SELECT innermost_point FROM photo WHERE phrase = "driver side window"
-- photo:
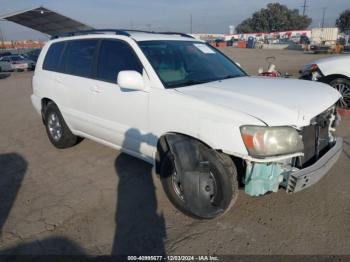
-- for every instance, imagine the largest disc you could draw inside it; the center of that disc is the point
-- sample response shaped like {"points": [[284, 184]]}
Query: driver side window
{"points": [[116, 56]]}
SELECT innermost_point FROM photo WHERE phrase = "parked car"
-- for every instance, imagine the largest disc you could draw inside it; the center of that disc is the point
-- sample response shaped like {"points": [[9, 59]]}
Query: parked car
{"points": [[32, 55], [183, 106], [334, 71], [5, 66], [19, 62], [5, 54]]}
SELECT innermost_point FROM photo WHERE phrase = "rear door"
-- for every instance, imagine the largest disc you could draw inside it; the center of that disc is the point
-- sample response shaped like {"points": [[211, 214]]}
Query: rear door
{"points": [[76, 67]]}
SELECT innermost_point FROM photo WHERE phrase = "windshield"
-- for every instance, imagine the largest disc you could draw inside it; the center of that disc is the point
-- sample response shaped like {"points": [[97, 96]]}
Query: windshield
{"points": [[184, 63]]}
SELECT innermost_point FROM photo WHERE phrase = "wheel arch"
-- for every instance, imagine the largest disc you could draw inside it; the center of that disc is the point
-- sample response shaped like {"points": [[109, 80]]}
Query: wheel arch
{"points": [[44, 103], [163, 146], [329, 78]]}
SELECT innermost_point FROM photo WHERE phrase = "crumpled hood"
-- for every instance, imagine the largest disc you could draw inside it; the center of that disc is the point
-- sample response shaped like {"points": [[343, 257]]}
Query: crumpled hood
{"points": [[275, 101]]}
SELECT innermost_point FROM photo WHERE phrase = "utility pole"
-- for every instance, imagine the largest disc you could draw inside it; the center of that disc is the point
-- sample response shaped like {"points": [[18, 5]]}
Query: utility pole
{"points": [[2, 37], [304, 6], [323, 16], [191, 23]]}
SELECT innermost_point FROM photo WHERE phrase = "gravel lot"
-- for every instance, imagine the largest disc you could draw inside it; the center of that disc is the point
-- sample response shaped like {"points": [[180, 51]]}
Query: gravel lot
{"points": [[93, 200]]}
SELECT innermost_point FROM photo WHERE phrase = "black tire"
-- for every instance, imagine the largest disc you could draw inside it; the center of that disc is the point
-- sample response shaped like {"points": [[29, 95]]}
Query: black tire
{"points": [[64, 138], [225, 174], [343, 86]]}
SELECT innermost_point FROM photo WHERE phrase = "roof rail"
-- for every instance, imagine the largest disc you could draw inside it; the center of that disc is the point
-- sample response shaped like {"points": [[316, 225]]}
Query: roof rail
{"points": [[175, 33], [93, 31], [117, 32]]}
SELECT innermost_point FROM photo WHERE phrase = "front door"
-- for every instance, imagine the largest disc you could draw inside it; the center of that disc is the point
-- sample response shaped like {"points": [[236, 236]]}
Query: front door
{"points": [[120, 116]]}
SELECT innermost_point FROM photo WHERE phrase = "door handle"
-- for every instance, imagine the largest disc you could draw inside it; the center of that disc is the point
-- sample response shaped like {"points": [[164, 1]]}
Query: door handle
{"points": [[95, 90], [58, 80]]}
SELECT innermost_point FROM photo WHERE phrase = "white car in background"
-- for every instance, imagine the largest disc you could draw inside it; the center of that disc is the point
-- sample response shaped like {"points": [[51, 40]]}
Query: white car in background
{"points": [[334, 71], [5, 66], [19, 62], [183, 106]]}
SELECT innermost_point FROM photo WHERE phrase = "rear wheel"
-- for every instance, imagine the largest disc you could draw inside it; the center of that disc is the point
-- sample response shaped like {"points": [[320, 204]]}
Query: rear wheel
{"points": [[57, 130], [343, 86], [215, 190]]}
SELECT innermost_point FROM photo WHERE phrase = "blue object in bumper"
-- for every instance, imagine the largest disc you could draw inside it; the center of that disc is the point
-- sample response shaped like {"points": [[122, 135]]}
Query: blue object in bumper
{"points": [[262, 178]]}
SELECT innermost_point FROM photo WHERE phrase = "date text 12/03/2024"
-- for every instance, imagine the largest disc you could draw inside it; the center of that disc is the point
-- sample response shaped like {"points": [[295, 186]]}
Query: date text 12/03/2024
{"points": [[173, 258]]}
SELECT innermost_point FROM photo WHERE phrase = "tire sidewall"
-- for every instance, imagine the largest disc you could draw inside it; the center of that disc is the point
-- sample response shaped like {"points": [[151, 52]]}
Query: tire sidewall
{"points": [[339, 81], [225, 173]]}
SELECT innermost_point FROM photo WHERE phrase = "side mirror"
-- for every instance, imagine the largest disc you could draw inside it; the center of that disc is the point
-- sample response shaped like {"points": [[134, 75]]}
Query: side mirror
{"points": [[131, 80]]}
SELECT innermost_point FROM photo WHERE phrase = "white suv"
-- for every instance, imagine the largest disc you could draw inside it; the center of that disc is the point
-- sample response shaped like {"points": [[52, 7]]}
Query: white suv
{"points": [[183, 106]]}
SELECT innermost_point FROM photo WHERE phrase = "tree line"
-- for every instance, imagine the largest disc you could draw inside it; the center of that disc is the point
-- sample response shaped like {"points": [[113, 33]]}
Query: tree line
{"points": [[277, 17]]}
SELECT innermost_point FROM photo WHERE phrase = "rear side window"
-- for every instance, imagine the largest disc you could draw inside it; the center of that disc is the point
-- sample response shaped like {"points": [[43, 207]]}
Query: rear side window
{"points": [[116, 56], [53, 56], [78, 57]]}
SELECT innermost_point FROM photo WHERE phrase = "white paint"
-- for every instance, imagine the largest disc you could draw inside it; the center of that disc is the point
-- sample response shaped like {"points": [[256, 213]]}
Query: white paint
{"points": [[212, 112]]}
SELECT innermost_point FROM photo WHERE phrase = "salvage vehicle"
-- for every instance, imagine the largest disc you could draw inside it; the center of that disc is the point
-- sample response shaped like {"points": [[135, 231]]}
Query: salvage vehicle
{"points": [[334, 71], [183, 106]]}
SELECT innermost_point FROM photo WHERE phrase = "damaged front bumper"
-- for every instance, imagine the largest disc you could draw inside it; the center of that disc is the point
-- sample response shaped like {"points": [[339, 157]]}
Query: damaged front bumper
{"points": [[306, 177], [263, 177]]}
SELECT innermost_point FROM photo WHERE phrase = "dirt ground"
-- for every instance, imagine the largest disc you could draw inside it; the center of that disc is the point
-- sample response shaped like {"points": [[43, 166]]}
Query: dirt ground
{"points": [[91, 199], [287, 61]]}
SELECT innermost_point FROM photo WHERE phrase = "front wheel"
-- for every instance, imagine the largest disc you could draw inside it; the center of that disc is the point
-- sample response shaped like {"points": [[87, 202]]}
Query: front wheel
{"points": [[206, 195], [343, 86]]}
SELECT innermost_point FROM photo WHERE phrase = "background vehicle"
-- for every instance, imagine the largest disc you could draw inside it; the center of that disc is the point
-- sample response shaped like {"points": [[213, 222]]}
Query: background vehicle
{"points": [[32, 55], [19, 62], [186, 108], [334, 71], [5, 66]]}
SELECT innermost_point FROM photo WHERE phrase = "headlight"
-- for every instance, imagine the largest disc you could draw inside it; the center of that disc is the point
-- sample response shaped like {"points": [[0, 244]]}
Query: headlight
{"points": [[263, 141]]}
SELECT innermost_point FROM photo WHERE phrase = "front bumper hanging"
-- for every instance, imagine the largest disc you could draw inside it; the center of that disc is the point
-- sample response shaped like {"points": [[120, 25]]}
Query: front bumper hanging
{"points": [[306, 177]]}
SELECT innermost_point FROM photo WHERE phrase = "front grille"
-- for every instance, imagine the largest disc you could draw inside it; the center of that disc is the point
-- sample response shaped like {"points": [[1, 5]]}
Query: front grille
{"points": [[316, 143], [316, 139]]}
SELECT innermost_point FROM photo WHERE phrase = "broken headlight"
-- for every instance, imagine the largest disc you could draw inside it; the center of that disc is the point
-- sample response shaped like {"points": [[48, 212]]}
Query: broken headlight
{"points": [[263, 141]]}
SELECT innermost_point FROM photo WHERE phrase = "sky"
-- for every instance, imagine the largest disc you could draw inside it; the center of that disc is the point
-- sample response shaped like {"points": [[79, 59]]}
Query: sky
{"points": [[208, 16]]}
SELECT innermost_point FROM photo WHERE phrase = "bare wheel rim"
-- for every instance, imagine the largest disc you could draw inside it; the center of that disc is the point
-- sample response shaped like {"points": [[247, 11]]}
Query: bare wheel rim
{"points": [[344, 90], [54, 126], [175, 181]]}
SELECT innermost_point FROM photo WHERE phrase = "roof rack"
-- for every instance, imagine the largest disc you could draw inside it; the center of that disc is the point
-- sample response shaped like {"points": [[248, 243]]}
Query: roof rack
{"points": [[117, 32], [176, 33], [93, 31]]}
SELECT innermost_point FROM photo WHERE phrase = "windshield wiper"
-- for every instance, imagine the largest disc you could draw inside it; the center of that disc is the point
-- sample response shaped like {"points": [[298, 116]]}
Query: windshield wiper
{"points": [[228, 77], [189, 83]]}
